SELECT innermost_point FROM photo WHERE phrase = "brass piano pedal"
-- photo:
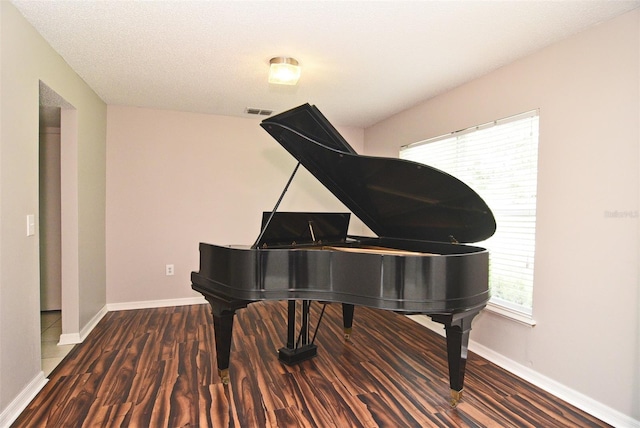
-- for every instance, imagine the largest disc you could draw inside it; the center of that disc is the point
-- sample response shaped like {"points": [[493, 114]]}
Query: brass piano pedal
{"points": [[455, 397], [224, 376], [347, 333]]}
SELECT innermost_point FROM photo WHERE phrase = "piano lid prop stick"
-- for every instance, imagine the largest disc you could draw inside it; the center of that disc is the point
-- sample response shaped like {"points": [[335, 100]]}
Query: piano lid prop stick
{"points": [[273, 212]]}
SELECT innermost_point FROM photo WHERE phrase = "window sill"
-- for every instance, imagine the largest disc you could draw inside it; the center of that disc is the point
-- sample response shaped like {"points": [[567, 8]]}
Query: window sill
{"points": [[511, 314]]}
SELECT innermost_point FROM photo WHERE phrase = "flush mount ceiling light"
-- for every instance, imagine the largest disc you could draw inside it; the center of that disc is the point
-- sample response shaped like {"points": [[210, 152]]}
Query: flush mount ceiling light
{"points": [[284, 71]]}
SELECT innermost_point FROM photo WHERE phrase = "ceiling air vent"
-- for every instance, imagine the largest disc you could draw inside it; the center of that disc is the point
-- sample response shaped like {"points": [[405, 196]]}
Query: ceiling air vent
{"points": [[258, 111]]}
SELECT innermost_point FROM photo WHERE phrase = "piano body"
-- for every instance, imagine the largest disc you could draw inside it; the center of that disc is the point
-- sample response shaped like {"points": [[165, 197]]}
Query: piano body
{"points": [[417, 264]]}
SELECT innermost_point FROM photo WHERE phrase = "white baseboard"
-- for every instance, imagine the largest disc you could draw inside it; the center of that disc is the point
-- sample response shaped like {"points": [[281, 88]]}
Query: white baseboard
{"points": [[69, 339], [13, 410], [92, 323], [145, 304], [75, 338], [575, 398]]}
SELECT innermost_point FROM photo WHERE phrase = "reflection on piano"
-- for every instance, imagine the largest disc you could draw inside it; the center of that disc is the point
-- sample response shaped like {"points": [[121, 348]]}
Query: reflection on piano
{"points": [[417, 264]]}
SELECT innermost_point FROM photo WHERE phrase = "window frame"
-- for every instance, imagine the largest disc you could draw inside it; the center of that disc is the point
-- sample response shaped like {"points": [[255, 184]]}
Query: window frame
{"points": [[497, 305]]}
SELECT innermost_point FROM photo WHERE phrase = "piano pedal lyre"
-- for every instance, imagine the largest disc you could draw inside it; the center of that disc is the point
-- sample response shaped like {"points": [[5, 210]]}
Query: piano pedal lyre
{"points": [[300, 348]]}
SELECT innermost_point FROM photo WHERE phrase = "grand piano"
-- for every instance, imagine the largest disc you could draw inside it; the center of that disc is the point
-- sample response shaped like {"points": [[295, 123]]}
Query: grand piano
{"points": [[417, 264]]}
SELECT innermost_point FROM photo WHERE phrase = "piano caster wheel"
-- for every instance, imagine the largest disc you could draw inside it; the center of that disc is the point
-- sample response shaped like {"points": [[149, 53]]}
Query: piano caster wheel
{"points": [[224, 376], [347, 333], [455, 397]]}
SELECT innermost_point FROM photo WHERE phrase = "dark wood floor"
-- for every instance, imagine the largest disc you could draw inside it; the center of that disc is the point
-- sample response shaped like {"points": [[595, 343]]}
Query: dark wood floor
{"points": [[155, 368]]}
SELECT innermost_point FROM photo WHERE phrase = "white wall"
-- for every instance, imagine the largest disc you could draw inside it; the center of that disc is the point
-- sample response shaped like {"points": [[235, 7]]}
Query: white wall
{"points": [[175, 179], [586, 272], [25, 59]]}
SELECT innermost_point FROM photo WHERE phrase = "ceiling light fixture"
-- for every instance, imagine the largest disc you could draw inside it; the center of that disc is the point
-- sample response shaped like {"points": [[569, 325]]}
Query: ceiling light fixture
{"points": [[284, 71]]}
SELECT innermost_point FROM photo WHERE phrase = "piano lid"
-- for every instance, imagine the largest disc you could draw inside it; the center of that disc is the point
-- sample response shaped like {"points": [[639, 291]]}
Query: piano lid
{"points": [[395, 198]]}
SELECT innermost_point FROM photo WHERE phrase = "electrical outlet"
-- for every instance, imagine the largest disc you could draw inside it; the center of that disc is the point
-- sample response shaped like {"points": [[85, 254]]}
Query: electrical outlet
{"points": [[169, 270]]}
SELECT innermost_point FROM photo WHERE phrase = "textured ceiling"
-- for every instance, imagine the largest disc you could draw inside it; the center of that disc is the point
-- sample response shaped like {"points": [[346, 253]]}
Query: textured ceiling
{"points": [[361, 61]]}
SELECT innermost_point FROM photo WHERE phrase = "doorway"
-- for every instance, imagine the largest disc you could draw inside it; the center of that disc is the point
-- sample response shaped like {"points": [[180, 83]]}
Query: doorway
{"points": [[55, 308]]}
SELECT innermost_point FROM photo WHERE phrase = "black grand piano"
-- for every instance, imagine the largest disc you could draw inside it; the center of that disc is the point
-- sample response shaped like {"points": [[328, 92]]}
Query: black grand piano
{"points": [[417, 264]]}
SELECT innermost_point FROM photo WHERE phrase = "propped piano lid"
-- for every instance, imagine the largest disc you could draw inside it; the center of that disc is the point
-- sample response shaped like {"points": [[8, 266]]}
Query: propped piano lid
{"points": [[395, 198]]}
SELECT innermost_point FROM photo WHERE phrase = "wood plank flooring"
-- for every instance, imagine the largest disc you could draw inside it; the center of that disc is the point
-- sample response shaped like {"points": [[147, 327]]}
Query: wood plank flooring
{"points": [[156, 368]]}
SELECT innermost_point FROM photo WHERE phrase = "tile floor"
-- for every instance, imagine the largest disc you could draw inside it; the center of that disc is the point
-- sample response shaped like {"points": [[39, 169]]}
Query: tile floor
{"points": [[50, 330]]}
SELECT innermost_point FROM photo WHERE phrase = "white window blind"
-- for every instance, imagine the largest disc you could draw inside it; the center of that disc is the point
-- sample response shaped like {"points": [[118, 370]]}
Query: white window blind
{"points": [[499, 160]]}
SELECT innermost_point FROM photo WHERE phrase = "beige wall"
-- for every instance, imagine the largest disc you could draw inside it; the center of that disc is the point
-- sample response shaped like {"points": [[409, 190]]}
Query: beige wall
{"points": [[586, 272], [25, 59], [176, 179]]}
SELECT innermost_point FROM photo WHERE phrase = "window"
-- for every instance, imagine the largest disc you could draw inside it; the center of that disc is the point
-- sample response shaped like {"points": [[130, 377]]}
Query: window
{"points": [[499, 160]]}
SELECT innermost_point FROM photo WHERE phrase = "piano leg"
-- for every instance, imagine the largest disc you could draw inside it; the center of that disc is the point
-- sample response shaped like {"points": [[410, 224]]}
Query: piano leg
{"points": [[457, 327], [223, 328], [347, 319], [223, 312]]}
